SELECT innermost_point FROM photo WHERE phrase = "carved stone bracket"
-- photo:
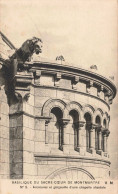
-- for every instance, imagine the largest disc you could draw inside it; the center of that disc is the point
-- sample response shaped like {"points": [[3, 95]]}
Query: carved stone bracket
{"points": [[58, 76], [110, 99], [57, 79], [37, 75], [100, 89], [108, 93], [74, 82], [89, 85]]}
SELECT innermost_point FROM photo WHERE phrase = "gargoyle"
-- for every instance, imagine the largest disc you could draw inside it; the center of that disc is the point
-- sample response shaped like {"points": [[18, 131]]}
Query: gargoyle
{"points": [[18, 61], [23, 54]]}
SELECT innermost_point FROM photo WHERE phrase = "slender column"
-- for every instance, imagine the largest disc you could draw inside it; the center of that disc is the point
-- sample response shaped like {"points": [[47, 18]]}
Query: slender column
{"points": [[104, 142], [79, 131], [99, 140], [63, 135], [57, 79], [91, 142], [65, 139], [106, 133], [92, 128]]}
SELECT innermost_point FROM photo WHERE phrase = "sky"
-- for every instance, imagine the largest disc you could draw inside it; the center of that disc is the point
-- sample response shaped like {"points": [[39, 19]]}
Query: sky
{"points": [[83, 31]]}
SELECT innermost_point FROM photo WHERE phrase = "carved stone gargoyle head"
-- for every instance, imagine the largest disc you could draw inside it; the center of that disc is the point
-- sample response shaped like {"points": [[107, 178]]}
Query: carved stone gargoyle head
{"points": [[28, 48]]}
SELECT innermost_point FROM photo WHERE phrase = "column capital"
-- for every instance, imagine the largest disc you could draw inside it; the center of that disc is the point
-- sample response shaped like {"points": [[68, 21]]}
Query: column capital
{"points": [[97, 127], [47, 120], [106, 132], [64, 122], [81, 123], [91, 126]]}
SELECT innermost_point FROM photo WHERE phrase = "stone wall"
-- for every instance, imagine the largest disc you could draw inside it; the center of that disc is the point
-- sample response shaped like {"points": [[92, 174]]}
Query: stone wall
{"points": [[56, 126], [4, 135]]}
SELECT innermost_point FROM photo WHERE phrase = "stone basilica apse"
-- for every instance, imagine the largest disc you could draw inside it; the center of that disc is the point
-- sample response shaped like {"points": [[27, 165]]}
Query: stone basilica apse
{"points": [[54, 119]]}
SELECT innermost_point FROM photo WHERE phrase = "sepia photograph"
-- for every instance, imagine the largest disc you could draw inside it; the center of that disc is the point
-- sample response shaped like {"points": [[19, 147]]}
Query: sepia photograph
{"points": [[58, 96]]}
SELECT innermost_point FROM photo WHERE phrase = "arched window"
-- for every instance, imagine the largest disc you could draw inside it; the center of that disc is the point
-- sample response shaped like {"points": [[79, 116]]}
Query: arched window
{"points": [[55, 130], [98, 122], [74, 130], [87, 117], [104, 123]]}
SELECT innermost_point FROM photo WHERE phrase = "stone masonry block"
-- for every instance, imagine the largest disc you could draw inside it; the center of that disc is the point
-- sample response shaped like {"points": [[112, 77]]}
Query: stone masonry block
{"points": [[4, 168], [28, 145], [16, 156], [28, 108], [71, 139], [16, 170], [28, 133], [47, 169], [39, 101], [4, 132], [37, 111], [4, 108], [39, 92], [39, 136], [16, 132], [40, 147], [4, 156], [56, 138], [16, 121], [4, 144], [50, 137], [4, 120], [29, 169], [16, 144], [39, 124], [28, 122], [28, 157]]}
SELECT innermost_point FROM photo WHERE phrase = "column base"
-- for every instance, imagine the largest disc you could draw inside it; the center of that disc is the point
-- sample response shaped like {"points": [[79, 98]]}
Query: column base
{"points": [[91, 150], [78, 149], [99, 152]]}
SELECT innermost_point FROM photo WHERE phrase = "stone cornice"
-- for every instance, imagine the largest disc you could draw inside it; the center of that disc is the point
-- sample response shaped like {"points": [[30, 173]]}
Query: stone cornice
{"points": [[82, 78], [71, 158], [47, 66]]}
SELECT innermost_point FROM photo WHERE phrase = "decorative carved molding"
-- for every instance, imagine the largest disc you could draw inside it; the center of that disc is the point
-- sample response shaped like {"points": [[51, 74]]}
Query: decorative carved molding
{"points": [[21, 87], [22, 96]]}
